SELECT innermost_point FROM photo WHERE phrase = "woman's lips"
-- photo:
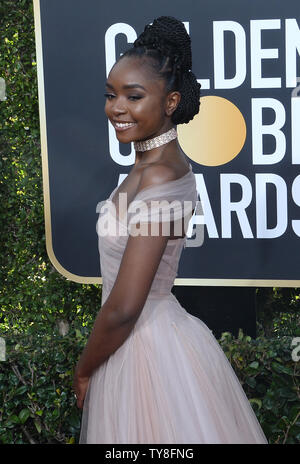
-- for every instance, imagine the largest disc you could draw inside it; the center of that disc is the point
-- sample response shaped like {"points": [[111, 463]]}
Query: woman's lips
{"points": [[122, 126]]}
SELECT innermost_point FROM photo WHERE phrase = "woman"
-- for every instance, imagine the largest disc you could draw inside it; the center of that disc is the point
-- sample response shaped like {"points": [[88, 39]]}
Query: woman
{"points": [[151, 372]]}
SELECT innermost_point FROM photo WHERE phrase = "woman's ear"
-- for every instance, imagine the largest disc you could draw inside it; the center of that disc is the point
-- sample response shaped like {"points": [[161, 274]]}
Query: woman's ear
{"points": [[172, 102]]}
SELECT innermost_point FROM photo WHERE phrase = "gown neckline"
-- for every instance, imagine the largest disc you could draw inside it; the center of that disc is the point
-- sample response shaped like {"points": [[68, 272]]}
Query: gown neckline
{"points": [[155, 185]]}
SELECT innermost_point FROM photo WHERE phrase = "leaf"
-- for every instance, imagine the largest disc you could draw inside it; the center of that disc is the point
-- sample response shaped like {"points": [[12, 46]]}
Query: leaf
{"points": [[251, 382], [254, 365], [14, 419], [268, 403], [282, 369], [21, 390], [286, 392], [23, 416], [256, 401], [38, 426], [74, 420], [55, 413], [78, 334], [241, 334]]}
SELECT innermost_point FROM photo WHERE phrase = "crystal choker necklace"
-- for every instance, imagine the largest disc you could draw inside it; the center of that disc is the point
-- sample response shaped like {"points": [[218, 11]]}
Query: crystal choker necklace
{"points": [[156, 141]]}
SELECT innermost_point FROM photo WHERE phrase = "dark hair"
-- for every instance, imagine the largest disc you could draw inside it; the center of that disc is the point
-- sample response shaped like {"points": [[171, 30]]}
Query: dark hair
{"points": [[168, 45]]}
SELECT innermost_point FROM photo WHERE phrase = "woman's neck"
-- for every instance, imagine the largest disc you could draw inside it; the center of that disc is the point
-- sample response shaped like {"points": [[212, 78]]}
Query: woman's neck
{"points": [[156, 154], [151, 150]]}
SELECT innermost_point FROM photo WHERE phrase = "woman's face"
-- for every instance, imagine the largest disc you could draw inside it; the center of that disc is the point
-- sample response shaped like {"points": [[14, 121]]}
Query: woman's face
{"points": [[136, 101]]}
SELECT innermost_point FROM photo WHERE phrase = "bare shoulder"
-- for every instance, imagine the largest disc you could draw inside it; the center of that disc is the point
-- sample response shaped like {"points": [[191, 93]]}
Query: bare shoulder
{"points": [[156, 174]]}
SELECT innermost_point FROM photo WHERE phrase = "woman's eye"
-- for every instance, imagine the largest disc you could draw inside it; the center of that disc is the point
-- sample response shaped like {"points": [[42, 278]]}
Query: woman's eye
{"points": [[110, 96], [135, 97]]}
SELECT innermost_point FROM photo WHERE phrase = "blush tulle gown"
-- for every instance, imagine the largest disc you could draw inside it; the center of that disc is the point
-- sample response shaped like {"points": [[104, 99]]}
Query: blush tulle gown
{"points": [[170, 382]]}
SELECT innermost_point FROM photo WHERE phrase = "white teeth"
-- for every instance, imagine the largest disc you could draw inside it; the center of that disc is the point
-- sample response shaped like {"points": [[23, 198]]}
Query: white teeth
{"points": [[124, 124]]}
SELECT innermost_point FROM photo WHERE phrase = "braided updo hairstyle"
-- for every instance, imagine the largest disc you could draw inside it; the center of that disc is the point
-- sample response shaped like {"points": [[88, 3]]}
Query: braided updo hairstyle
{"points": [[168, 45]]}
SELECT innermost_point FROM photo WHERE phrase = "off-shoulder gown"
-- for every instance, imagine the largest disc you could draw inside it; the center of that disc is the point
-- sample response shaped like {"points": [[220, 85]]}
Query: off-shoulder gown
{"points": [[170, 381]]}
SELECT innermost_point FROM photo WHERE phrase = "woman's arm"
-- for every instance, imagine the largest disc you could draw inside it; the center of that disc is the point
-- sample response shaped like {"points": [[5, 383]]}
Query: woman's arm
{"points": [[124, 304], [122, 308]]}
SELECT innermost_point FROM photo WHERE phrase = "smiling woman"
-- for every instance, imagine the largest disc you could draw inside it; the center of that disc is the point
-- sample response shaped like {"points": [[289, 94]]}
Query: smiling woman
{"points": [[151, 372], [136, 110]]}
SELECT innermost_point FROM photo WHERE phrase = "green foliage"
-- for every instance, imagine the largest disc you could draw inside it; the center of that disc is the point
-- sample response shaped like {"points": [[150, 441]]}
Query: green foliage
{"points": [[37, 403], [34, 297], [32, 291], [278, 311], [271, 380]]}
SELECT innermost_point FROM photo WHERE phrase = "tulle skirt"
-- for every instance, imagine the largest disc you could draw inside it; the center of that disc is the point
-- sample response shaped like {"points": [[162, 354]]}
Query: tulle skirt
{"points": [[169, 383]]}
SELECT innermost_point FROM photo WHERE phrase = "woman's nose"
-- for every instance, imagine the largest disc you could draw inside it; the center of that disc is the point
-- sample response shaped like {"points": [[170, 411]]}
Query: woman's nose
{"points": [[118, 107]]}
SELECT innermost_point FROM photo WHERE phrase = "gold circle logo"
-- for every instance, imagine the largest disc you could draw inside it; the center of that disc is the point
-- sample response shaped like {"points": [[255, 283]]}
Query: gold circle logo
{"points": [[217, 133]]}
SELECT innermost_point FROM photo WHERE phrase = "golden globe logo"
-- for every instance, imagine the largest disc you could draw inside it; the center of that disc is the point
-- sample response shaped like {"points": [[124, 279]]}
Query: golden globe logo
{"points": [[217, 133]]}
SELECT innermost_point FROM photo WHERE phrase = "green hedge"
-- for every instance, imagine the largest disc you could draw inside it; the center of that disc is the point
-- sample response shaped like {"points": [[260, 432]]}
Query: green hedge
{"points": [[32, 291], [38, 405], [271, 380]]}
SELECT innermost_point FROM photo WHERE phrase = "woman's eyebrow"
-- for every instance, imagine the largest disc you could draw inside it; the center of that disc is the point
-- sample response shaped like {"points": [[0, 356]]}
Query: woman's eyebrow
{"points": [[133, 86], [128, 86]]}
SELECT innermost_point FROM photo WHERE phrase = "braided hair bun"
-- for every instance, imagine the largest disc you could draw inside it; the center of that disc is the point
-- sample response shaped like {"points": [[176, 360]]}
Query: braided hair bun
{"points": [[168, 44], [169, 37]]}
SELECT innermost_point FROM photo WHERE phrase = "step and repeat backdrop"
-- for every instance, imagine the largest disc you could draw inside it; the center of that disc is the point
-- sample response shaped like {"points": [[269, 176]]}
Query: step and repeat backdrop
{"points": [[244, 145]]}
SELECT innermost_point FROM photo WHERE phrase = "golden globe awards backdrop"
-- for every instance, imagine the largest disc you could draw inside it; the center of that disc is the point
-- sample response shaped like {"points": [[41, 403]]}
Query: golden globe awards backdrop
{"points": [[244, 145]]}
